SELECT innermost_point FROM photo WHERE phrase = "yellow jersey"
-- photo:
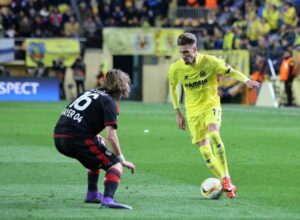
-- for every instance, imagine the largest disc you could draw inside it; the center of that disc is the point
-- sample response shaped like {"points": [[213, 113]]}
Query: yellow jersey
{"points": [[199, 82], [290, 17]]}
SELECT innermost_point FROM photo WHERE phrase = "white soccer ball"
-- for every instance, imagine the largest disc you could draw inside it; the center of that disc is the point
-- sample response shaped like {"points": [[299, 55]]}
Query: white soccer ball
{"points": [[211, 188]]}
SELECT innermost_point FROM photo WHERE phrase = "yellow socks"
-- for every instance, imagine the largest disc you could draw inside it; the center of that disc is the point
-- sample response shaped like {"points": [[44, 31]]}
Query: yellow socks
{"points": [[210, 160], [219, 151]]}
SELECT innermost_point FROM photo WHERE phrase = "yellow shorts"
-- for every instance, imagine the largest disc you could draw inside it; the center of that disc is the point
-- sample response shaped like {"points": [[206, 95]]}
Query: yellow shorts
{"points": [[198, 123]]}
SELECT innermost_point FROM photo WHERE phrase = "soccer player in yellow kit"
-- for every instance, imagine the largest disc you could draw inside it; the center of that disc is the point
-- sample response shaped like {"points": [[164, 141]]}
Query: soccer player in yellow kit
{"points": [[198, 75]]}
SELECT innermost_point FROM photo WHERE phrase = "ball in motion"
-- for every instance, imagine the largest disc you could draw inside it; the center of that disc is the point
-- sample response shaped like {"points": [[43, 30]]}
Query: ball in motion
{"points": [[211, 188]]}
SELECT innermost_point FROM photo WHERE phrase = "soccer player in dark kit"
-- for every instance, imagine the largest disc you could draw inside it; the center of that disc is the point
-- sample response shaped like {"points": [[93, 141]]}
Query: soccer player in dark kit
{"points": [[76, 135]]}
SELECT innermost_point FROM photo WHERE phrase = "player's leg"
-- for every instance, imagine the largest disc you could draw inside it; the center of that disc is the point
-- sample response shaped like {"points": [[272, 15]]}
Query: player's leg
{"points": [[213, 121], [77, 87], [218, 147], [211, 162], [76, 148], [83, 87], [288, 90], [92, 195], [87, 153], [111, 182], [98, 156], [219, 151], [198, 131]]}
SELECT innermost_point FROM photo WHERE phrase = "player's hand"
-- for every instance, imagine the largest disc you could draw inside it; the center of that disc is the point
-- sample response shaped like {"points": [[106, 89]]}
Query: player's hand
{"points": [[129, 165], [180, 121], [253, 84]]}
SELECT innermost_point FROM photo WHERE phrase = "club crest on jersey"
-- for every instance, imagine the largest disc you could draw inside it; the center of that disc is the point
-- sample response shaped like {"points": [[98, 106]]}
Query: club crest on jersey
{"points": [[227, 65], [228, 70], [202, 74]]}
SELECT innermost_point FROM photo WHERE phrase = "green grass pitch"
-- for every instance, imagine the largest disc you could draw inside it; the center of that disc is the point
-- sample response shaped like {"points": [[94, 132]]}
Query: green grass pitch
{"points": [[263, 150]]}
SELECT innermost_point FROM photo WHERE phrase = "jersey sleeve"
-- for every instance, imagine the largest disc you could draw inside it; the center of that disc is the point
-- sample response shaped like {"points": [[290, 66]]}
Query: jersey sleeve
{"points": [[110, 113], [238, 76], [173, 82], [226, 70]]}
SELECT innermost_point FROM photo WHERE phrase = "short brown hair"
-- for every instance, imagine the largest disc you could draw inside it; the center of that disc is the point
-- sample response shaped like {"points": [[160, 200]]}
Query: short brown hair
{"points": [[186, 39], [117, 83]]}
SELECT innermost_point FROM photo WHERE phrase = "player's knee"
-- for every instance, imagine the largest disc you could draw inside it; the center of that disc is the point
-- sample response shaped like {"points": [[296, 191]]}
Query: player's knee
{"points": [[118, 166], [203, 142], [206, 153], [215, 137]]}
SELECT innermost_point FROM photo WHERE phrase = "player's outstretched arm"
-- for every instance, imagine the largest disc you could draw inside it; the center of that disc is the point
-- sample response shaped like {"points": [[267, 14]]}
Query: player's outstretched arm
{"points": [[253, 84], [113, 141], [241, 77]]}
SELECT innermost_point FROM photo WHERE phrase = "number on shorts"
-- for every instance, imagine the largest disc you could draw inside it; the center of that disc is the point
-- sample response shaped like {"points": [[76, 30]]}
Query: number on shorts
{"points": [[216, 111]]}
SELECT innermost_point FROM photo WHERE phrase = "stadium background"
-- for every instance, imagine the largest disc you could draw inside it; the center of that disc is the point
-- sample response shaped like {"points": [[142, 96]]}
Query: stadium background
{"points": [[140, 38]]}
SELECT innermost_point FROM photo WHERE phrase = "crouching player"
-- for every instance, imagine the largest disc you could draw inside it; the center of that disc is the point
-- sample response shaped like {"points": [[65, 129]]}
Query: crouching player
{"points": [[76, 136]]}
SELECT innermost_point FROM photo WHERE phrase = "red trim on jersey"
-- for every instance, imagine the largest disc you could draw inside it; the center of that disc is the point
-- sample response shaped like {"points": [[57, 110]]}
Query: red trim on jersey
{"points": [[94, 149]]}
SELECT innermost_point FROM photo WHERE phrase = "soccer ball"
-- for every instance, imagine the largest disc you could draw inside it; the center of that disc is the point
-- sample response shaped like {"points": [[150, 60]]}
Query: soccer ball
{"points": [[211, 188]]}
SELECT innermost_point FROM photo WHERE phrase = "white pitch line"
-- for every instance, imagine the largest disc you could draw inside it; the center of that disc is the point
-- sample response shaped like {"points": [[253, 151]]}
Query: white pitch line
{"points": [[293, 112]]}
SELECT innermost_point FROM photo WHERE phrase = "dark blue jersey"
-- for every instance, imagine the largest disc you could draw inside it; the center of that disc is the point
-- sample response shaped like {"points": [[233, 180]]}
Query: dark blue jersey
{"points": [[88, 115]]}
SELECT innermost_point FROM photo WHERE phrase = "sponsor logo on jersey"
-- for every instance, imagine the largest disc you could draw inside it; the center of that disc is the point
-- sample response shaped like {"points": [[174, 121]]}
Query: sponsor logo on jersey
{"points": [[196, 84], [228, 70]]}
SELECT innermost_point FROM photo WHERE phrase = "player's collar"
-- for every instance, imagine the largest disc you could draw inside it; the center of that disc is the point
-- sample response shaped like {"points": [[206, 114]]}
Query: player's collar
{"points": [[197, 59]]}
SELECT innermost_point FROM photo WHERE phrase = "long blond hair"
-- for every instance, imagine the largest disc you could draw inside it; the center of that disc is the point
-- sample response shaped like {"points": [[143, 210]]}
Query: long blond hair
{"points": [[117, 83]]}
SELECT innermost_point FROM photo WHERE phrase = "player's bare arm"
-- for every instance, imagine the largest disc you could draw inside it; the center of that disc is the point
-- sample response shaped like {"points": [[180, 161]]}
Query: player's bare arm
{"points": [[253, 84], [241, 77], [180, 119], [112, 138]]}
